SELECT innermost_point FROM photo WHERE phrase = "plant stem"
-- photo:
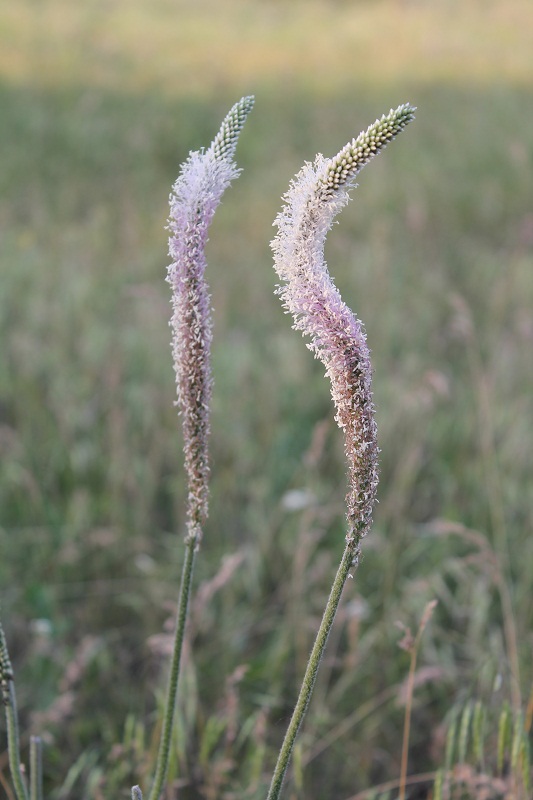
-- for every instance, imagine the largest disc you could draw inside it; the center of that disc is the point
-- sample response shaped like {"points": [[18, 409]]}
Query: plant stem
{"points": [[36, 768], [348, 561], [168, 720], [413, 651], [407, 725], [10, 704]]}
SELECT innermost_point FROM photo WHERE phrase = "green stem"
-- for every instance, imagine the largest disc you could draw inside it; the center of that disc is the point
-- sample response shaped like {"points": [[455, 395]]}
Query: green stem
{"points": [[168, 720], [347, 563], [36, 768]]}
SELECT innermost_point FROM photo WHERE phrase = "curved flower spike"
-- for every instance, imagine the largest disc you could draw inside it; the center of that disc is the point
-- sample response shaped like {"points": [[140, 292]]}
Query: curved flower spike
{"points": [[193, 201], [316, 196]]}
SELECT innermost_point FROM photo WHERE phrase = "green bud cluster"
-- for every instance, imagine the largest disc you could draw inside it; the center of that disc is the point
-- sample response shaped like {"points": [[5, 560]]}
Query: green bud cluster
{"points": [[353, 157], [225, 141]]}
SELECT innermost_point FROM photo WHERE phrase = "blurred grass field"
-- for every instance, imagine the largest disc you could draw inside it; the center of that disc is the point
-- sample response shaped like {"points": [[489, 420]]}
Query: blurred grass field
{"points": [[99, 104]]}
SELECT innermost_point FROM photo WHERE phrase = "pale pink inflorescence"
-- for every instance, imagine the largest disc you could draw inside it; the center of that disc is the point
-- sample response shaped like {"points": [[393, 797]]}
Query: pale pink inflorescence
{"points": [[338, 338], [193, 201]]}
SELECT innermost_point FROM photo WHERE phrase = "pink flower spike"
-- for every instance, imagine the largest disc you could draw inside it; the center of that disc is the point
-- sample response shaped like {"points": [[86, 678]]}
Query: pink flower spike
{"points": [[337, 336], [195, 196]]}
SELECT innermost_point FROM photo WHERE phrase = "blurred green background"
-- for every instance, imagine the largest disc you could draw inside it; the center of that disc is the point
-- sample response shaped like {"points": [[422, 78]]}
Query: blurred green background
{"points": [[100, 102]]}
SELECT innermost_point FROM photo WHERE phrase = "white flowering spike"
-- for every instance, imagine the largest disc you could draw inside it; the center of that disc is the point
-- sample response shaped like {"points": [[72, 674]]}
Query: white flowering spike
{"points": [[193, 201], [338, 338]]}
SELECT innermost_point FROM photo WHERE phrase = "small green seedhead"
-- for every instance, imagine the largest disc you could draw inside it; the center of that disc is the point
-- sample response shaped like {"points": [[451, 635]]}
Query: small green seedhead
{"points": [[353, 157], [225, 142]]}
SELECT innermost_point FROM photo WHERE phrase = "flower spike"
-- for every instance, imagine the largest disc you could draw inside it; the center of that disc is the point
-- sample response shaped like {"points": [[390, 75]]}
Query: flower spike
{"points": [[337, 336], [193, 201]]}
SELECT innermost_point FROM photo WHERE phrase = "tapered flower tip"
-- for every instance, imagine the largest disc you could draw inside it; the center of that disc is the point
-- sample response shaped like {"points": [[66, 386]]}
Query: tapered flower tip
{"points": [[5, 664], [342, 168], [225, 142]]}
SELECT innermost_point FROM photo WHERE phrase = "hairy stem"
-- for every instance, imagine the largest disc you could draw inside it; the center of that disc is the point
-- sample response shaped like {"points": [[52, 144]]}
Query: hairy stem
{"points": [[168, 720], [349, 560]]}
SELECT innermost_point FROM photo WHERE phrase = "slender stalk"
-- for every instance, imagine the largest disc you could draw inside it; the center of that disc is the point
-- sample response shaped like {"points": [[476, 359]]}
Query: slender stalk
{"points": [[10, 704], [412, 647], [36, 768], [407, 725], [349, 560], [168, 720]]}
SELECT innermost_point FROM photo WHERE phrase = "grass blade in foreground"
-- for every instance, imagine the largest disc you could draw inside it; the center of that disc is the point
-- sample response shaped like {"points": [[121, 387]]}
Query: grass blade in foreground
{"points": [[195, 196], [338, 339]]}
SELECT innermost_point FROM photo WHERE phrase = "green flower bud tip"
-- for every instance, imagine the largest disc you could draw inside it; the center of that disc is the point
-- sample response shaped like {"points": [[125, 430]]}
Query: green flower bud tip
{"points": [[225, 141], [352, 158]]}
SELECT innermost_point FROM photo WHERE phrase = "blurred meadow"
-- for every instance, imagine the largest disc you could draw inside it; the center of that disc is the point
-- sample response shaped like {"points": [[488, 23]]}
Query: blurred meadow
{"points": [[100, 102]]}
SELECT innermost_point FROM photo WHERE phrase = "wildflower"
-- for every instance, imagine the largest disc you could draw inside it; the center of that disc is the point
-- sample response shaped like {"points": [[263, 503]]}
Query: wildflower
{"points": [[337, 336], [193, 201]]}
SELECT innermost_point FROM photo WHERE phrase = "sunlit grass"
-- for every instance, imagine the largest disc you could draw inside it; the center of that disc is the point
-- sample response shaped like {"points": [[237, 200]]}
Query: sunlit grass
{"points": [[202, 46]]}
